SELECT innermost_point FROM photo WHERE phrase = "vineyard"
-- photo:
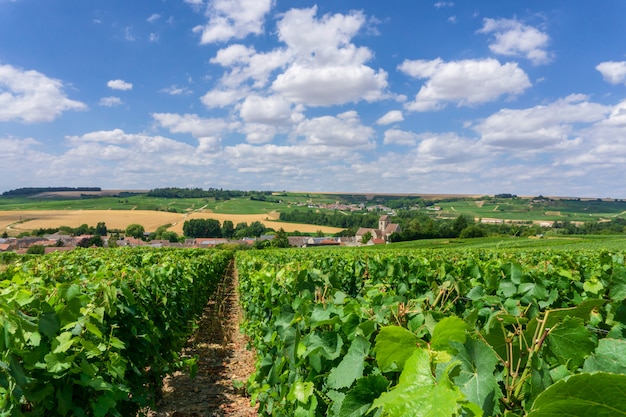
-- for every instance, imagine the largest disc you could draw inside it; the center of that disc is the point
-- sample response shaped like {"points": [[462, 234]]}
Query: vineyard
{"points": [[411, 332], [93, 333], [436, 333]]}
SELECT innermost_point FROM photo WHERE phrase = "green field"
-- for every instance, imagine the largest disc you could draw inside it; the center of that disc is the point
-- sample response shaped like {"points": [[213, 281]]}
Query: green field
{"points": [[523, 210]]}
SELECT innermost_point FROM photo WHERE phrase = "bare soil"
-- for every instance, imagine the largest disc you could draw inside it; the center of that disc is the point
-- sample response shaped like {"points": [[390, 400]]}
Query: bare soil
{"points": [[224, 364]]}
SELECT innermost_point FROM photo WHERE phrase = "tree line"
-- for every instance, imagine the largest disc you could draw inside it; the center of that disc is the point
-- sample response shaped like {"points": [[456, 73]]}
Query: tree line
{"points": [[336, 219], [218, 194], [27, 191]]}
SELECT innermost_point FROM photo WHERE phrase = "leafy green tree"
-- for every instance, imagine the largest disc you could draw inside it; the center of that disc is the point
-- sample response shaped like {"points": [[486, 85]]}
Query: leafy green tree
{"points": [[101, 229], [460, 223], [228, 229], [95, 240], [257, 228], [472, 231], [5, 235], [135, 230], [367, 236], [202, 228], [280, 239], [36, 250], [83, 229], [241, 230], [169, 236]]}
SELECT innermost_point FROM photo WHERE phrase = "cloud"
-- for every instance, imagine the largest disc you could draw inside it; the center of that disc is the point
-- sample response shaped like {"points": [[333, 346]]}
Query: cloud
{"points": [[228, 19], [343, 130], [330, 85], [153, 18], [466, 82], [317, 66], [613, 72], [128, 34], [191, 123], [119, 85], [440, 4], [390, 117], [514, 38], [326, 67], [222, 97], [110, 101], [248, 65], [400, 137], [267, 110], [540, 127], [31, 97], [175, 90]]}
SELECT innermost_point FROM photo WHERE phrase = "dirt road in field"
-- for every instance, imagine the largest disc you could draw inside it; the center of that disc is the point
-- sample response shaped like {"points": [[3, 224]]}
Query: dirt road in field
{"points": [[224, 364]]}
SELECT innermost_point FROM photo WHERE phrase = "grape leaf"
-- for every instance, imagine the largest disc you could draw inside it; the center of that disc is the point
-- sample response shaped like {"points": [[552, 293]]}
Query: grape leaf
{"points": [[476, 378], [394, 345], [351, 366], [599, 394], [359, 399], [610, 356], [571, 342], [447, 330], [418, 394]]}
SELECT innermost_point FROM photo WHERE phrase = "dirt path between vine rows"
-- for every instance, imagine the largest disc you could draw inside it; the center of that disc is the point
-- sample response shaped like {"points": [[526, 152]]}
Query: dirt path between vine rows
{"points": [[224, 363]]}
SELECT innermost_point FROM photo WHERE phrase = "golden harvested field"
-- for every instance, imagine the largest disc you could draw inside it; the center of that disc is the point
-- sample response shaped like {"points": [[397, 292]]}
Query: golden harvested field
{"points": [[15, 222]]}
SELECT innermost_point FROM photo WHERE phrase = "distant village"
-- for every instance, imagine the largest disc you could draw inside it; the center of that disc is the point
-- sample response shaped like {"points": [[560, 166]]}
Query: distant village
{"points": [[60, 242]]}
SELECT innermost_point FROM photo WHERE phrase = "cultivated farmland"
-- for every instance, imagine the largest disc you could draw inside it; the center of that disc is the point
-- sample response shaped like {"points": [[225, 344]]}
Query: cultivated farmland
{"points": [[28, 220]]}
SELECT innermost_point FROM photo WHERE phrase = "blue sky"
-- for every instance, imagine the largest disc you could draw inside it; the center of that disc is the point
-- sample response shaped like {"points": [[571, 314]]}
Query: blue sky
{"points": [[400, 96]]}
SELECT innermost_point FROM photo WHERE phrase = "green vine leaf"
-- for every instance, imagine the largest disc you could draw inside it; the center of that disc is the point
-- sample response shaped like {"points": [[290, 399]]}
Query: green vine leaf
{"points": [[418, 394], [351, 366], [584, 395], [394, 345]]}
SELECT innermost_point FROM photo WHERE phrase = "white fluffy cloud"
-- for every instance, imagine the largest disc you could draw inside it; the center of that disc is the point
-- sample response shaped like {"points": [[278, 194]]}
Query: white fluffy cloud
{"points": [[390, 117], [331, 85], [110, 101], [191, 123], [31, 97], [466, 82], [119, 85], [228, 19], [344, 130], [326, 68], [268, 110], [613, 72], [514, 38], [399, 137], [318, 66], [539, 127]]}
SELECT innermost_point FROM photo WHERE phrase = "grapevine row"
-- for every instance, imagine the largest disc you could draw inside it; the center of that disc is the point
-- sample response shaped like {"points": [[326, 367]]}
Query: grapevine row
{"points": [[403, 333], [93, 332]]}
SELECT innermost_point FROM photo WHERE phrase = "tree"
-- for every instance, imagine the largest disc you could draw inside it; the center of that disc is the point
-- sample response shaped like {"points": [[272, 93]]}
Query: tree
{"points": [[459, 224], [228, 229], [241, 230], [88, 242], [280, 239], [257, 228], [5, 235], [36, 250], [202, 228], [135, 230], [101, 229], [472, 231], [169, 236], [83, 229], [367, 236]]}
